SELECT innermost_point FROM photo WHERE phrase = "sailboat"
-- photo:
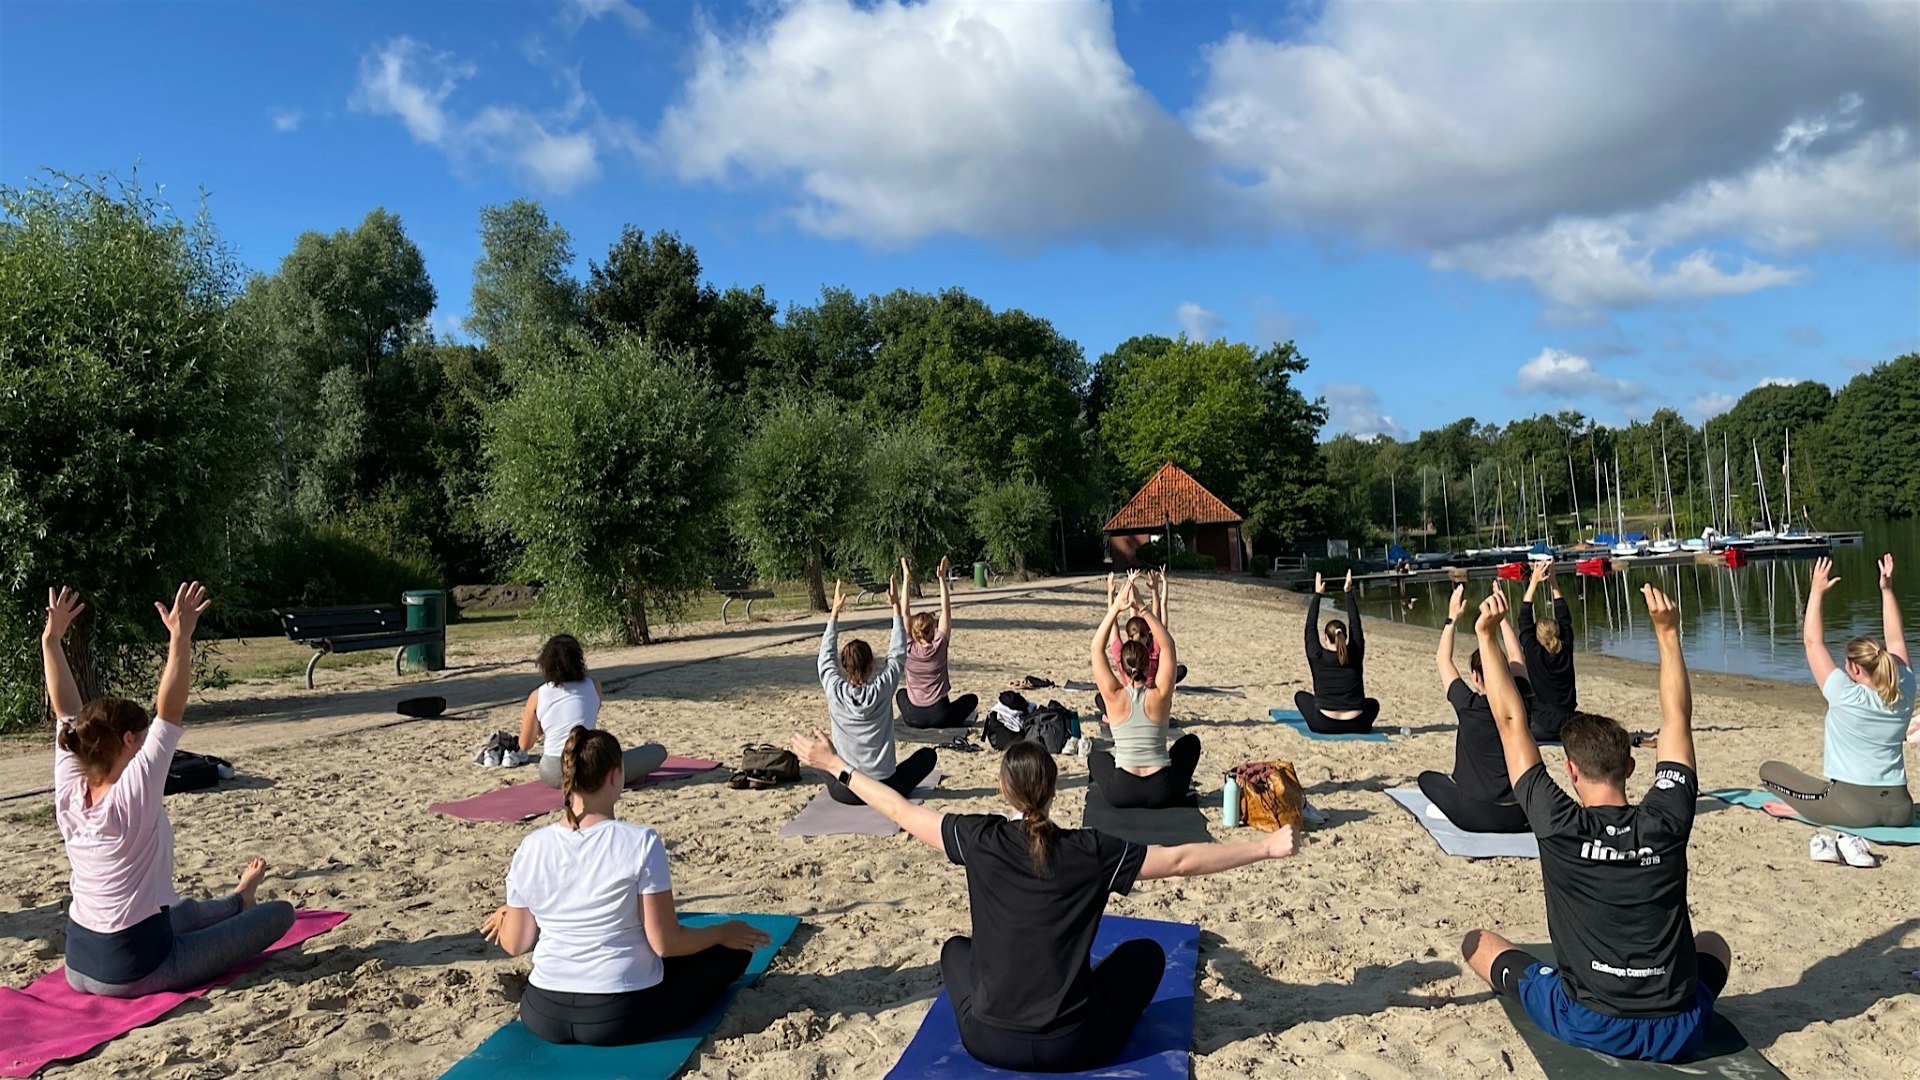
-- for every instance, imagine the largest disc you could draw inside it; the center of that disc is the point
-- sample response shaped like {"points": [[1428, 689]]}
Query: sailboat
{"points": [[1668, 544], [1623, 545], [1765, 532]]}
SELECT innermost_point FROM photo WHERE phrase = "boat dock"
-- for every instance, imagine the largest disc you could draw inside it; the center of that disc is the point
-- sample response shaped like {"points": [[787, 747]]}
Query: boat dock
{"points": [[1566, 560]]}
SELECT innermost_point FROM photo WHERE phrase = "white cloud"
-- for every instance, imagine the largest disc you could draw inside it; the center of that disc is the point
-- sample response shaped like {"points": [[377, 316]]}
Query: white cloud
{"points": [[1355, 409], [1776, 380], [406, 80], [578, 13], [285, 120], [1564, 375], [1583, 266], [1197, 322], [1709, 405]]}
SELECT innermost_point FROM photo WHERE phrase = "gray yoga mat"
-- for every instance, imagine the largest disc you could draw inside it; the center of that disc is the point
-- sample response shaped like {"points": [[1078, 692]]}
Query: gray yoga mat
{"points": [[825, 817], [1183, 688], [1457, 841], [1173, 825]]}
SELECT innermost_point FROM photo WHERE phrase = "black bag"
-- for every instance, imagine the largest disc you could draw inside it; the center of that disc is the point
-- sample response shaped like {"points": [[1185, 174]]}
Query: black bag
{"points": [[764, 766], [191, 772], [1015, 702], [999, 735], [1051, 726]]}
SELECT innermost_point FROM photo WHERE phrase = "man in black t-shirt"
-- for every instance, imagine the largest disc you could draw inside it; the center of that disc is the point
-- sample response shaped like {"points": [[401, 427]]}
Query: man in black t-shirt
{"points": [[1478, 797], [1633, 980]]}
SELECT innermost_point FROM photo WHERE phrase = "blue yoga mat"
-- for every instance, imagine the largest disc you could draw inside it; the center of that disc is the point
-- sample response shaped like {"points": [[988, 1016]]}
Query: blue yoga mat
{"points": [[1881, 834], [1162, 1041], [513, 1051], [1298, 723]]}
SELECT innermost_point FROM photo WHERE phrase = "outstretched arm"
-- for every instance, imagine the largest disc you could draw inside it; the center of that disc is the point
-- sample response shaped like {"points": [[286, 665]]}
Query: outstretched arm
{"points": [[1352, 603], [1510, 643], [1503, 694], [62, 608], [1193, 860], [946, 600], [1313, 627], [1163, 675], [1443, 655], [1676, 689], [1540, 573], [1813, 632], [904, 606], [1890, 612], [1103, 675], [189, 601], [815, 752], [671, 937]]}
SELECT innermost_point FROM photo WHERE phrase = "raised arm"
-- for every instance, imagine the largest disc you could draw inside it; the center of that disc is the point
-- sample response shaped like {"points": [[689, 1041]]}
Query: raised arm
{"points": [[830, 640], [1443, 655], [1160, 598], [1503, 694], [904, 606], [1510, 643], [1541, 571], [1313, 623], [1813, 632], [1351, 601], [1890, 612], [923, 824], [62, 608], [1163, 675], [189, 601], [946, 600], [1193, 860], [1103, 675], [1676, 689]]}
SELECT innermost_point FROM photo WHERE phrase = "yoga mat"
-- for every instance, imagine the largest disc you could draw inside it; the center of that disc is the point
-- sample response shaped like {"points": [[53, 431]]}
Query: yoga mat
{"points": [[50, 1021], [513, 1051], [1162, 1041], [1183, 688], [1757, 800], [825, 817], [1725, 1053], [1169, 826], [1457, 841], [523, 802], [1298, 723]]}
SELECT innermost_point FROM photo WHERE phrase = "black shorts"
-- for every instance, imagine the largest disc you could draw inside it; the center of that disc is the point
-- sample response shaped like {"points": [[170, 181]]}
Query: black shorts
{"points": [[1510, 965]]}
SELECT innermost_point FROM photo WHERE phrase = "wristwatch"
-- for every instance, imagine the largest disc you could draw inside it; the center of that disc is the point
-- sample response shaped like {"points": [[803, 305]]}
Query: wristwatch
{"points": [[846, 778], [1449, 621]]}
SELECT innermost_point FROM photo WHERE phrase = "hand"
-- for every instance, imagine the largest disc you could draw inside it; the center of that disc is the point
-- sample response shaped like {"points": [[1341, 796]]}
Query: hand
{"points": [[1822, 580], [905, 573], [1542, 571], [1493, 612], [1122, 601], [1886, 571], [1457, 606], [945, 567], [1661, 609], [839, 596], [893, 593], [490, 929], [1282, 842], [188, 602], [815, 752], [735, 934], [1320, 583], [64, 606], [1348, 587]]}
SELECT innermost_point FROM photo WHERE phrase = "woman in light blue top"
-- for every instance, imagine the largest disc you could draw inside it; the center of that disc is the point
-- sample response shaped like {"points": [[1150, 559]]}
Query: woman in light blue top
{"points": [[1869, 705], [1142, 770]]}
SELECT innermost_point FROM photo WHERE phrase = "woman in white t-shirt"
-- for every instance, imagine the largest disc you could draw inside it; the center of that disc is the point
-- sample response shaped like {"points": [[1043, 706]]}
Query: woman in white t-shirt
{"points": [[129, 934], [569, 700], [593, 898]]}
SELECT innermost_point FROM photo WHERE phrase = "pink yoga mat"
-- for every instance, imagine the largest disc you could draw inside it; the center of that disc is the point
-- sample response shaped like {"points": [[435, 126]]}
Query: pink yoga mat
{"points": [[50, 1021], [520, 802]]}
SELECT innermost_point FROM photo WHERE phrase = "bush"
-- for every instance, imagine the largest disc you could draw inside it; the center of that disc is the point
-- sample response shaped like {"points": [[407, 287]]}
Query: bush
{"points": [[315, 567], [1013, 518], [796, 483], [1191, 560]]}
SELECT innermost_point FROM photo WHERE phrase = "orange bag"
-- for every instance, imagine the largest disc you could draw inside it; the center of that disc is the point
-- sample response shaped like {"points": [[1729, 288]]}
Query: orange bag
{"points": [[1270, 795]]}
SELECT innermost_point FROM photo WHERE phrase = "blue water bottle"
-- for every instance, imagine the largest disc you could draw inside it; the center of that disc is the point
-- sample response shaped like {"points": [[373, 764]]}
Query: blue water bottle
{"points": [[1230, 803]]}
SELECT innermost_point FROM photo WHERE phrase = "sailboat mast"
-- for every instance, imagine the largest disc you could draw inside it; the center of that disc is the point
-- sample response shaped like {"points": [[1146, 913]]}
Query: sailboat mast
{"points": [[1573, 495], [1786, 466], [1473, 481], [1760, 481], [1726, 479], [1673, 518]]}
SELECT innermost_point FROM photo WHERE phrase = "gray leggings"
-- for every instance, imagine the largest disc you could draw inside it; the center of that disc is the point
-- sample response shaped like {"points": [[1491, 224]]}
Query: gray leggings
{"points": [[210, 938], [1835, 802], [635, 762]]}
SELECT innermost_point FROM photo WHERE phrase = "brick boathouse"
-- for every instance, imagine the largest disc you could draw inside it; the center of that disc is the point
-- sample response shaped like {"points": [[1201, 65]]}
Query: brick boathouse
{"points": [[1174, 498]]}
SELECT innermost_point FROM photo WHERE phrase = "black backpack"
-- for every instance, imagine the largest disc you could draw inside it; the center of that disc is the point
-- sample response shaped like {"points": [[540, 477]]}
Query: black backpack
{"points": [[1051, 726], [191, 772]]}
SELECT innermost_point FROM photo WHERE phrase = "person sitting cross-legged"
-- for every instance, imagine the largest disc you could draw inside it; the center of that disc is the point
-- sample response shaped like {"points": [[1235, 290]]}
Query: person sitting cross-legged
{"points": [[1633, 979], [1478, 796]]}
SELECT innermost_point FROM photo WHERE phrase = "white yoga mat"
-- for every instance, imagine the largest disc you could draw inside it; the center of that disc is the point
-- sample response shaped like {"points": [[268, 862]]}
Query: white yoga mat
{"points": [[1457, 841]]}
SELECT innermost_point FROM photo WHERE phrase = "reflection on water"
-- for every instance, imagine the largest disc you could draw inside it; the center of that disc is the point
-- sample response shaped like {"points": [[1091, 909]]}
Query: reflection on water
{"points": [[1745, 621]]}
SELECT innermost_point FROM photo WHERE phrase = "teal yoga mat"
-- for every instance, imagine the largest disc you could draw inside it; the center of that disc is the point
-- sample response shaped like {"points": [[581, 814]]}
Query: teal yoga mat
{"points": [[1298, 723], [1753, 800], [513, 1051], [1724, 1055]]}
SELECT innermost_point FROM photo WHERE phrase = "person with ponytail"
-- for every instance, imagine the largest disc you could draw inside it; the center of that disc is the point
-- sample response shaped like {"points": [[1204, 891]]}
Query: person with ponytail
{"points": [[592, 896], [1338, 703], [1548, 647], [1135, 628], [1024, 987], [565, 700], [1478, 795], [924, 701], [1141, 770], [129, 934], [860, 702], [1869, 707]]}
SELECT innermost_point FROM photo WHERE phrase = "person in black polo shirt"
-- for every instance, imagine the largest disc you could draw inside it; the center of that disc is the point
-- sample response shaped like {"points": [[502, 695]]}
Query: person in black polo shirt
{"points": [[1478, 797], [1024, 989], [1338, 703], [1549, 651], [1633, 981]]}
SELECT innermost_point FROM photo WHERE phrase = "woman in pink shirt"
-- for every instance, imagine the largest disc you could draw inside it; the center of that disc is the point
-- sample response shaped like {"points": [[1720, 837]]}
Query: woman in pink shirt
{"points": [[128, 932], [924, 700], [1136, 629]]}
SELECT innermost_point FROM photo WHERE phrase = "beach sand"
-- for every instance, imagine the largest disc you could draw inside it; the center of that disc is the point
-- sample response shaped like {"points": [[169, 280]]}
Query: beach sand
{"points": [[1342, 962]]}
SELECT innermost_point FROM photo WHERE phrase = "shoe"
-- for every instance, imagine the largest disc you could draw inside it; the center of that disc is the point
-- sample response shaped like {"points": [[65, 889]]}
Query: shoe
{"points": [[512, 759], [1854, 849], [1312, 814], [491, 760], [1823, 848]]}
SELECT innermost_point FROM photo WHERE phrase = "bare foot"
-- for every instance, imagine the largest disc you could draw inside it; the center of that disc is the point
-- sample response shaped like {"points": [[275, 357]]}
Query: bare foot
{"points": [[250, 880]]}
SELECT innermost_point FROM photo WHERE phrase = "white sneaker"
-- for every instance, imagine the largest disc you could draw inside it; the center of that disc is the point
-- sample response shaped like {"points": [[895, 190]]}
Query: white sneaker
{"points": [[512, 759], [1312, 814], [1086, 746], [1823, 848], [1854, 849], [491, 760]]}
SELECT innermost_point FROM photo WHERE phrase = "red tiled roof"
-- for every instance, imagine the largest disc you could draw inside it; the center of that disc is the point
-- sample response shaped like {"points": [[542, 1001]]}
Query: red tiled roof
{"points": [[1171, 496]]}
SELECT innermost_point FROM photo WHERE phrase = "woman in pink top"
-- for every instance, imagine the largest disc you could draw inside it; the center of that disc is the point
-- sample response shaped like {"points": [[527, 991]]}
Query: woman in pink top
{"points": [[1136, 628], [923, 701], [128, 932]]}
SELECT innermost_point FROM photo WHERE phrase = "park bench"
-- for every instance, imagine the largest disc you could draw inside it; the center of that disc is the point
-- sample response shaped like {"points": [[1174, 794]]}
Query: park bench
{"points": [[738, 588], [870, 585], [354, 628]]}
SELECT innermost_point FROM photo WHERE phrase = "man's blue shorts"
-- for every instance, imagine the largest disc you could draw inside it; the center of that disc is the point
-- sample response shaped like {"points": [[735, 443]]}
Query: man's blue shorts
{"points": [[1653, 1038]]}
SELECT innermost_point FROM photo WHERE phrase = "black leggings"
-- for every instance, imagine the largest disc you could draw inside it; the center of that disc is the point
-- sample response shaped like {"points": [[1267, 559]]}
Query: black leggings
{"points": [[690, 986], [940, 714], [1468, 813], [1310, 710], [1123, 987], [1167, 787], [906, 776]]}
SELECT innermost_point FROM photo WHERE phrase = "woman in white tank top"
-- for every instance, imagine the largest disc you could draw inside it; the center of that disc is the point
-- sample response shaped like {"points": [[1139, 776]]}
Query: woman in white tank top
{"points": [[566, 700]]}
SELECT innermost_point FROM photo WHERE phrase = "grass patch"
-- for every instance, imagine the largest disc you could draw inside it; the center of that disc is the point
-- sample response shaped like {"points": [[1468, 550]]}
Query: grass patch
{"points": [[38, 817], [274, 657]]}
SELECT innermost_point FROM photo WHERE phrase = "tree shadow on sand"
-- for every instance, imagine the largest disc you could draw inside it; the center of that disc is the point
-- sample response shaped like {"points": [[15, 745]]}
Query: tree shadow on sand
{"points": [[1833, 988]]}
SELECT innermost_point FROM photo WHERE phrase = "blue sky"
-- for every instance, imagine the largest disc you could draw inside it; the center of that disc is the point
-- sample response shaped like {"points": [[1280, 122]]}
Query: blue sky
{"points": [[1454, 209]]}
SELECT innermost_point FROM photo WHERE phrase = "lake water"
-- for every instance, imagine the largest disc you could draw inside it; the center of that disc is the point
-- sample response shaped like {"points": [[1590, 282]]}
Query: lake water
{"points": [[1745, 621]]}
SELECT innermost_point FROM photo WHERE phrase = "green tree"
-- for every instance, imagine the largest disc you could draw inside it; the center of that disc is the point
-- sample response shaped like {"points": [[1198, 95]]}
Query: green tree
{"points": [[914, 506], [1012, 519], [609, 476], [1867, 453], [525, 300], [1757, 425], [652, 287], [797, 485], [127, 396]]}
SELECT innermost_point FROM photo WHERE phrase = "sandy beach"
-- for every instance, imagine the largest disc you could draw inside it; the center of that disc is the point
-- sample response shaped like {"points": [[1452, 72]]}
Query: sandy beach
{"points": [[1342, 962]]}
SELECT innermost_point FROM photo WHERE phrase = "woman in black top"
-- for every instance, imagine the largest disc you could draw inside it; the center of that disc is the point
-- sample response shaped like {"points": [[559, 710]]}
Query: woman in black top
{"points": [[1025, 991], [1339, 704], [1549, 651], [1478, 797]]}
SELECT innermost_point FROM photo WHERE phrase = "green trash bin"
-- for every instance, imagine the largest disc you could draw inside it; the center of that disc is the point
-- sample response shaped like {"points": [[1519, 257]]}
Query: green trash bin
{"points": [[980, 575], [427, 610]]}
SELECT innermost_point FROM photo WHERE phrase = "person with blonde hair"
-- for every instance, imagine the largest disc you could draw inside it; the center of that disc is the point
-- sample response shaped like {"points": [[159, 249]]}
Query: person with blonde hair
{"points": [[1869, 707], [925, 701], [1338, 703], [1548, 647]]}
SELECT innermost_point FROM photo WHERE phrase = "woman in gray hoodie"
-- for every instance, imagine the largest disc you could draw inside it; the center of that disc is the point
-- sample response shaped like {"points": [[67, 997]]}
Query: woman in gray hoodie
{"points": [[860, 704]]}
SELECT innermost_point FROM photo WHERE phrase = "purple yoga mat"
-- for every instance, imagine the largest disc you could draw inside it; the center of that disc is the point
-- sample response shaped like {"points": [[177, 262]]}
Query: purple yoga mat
{"points": [[825, 817], [520, 802], [50, 1021]]}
